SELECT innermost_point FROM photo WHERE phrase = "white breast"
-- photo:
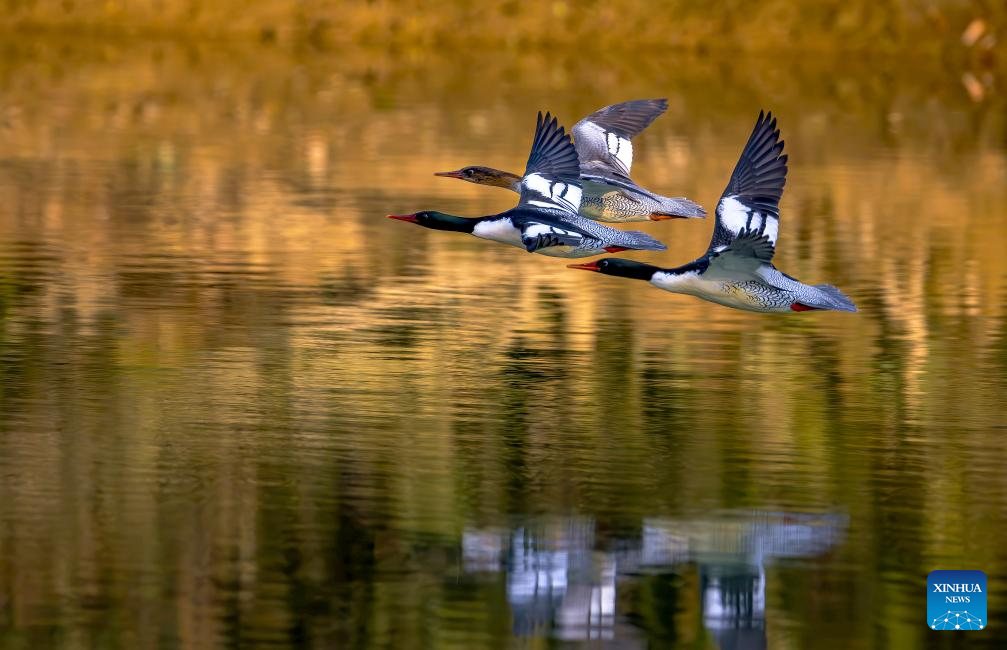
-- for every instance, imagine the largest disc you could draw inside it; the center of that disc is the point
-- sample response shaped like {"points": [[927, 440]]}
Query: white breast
{"points": [[691, 283], [501, 230]]}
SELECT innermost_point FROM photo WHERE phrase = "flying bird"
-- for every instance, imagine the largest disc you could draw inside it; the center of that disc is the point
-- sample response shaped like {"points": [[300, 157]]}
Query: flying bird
{"points": [[545, 220], [737, 269], [604, 142]]}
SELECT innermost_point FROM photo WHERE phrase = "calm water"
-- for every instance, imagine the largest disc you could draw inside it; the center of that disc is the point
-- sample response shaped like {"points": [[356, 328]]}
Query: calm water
{"points": [[238, 407]]}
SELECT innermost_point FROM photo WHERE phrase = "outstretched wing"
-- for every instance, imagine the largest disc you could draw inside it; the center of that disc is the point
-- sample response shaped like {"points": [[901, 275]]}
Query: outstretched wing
{"points": [[752, 197], [604, 139], [536, 236], [552, 176], [746, 253]]}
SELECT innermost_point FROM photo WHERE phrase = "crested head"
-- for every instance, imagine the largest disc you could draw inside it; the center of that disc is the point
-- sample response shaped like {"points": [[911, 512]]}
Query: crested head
{"points": [[485, 176], [438, 220], [619, 267]]}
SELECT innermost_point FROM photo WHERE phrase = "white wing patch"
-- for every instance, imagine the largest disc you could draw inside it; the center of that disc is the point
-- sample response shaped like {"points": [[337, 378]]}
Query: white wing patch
{"points": [[772, 229], [537, 183], [734, 214], [551, 240], [621, 148], [537, 229], [559, 194], [596, 145]]}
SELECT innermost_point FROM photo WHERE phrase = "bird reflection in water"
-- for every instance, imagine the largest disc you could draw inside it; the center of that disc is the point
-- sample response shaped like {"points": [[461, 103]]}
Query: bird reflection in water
{"points": [[559, 584]]}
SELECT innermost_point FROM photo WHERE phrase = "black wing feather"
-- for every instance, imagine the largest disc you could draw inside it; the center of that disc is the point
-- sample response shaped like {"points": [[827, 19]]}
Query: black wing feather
{"points": [[599, 153], [746, 253], [628, 119], [552, 177], [548, 235], [751, 243], [552, 151], [538, 242], [761, 172], [758, 178]]}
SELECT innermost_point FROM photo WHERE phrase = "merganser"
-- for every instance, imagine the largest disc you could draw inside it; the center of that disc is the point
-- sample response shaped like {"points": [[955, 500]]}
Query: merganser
{"points": [[736, 270], [604, 142], [545, 220]]}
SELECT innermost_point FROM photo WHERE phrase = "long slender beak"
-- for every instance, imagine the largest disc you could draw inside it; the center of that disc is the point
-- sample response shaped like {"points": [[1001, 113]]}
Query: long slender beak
{"points": [[455, 174], [411, 218], [587, 266]]}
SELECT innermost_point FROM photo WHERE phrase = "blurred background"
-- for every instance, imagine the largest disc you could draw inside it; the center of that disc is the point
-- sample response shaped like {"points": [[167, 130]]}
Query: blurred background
{"points": [[238, 407]]}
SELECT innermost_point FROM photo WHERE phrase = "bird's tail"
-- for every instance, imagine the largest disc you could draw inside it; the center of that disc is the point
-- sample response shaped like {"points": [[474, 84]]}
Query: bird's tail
{"points": [[833, 298], [640, 241], [679, 207]]}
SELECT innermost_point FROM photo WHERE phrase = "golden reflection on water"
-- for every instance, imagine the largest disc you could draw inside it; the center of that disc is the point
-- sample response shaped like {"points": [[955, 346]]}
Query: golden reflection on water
{"points": [[241, 405]]}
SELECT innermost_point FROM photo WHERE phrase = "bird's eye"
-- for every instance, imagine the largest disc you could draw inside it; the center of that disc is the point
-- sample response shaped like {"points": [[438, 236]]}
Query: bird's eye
{"points": [[468, 172]]}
